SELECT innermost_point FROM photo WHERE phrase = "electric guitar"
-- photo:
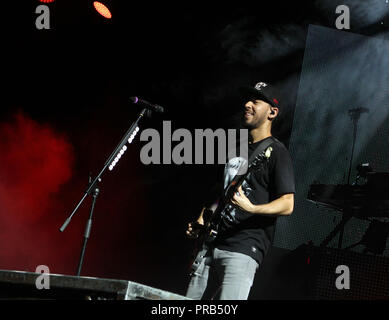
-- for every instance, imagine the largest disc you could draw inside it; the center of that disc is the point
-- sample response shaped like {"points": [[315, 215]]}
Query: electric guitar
{"points": [[208, 232]]}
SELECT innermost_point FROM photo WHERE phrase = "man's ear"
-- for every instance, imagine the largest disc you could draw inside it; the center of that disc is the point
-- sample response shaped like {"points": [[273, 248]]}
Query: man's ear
{"points": [[273, 112]]}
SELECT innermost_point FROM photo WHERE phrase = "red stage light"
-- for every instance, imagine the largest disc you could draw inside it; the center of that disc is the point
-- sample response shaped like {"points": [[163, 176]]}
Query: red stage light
{"points": [[47, 1], [102, 9]]}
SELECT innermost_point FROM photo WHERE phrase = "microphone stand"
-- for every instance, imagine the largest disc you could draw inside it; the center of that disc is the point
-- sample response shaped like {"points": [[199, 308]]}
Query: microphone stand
{"points": [[88, 226], [355, 115], [94, 190]]}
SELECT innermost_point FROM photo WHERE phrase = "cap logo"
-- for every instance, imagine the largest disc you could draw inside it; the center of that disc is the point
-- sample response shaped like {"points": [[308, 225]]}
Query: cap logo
{"points": [[260, 85]]}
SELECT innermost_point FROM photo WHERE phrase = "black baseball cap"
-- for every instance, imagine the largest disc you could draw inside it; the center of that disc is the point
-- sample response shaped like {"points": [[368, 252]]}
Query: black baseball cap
{"points": [[263, 91]]}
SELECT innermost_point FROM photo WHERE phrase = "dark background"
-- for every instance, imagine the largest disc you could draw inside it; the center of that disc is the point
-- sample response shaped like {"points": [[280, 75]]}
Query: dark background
{"points": [[341, 71], [66, 106]]}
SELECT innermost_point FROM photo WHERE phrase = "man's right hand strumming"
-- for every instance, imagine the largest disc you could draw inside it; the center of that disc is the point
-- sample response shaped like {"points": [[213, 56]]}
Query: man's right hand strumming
{"points": [[194, 228]]}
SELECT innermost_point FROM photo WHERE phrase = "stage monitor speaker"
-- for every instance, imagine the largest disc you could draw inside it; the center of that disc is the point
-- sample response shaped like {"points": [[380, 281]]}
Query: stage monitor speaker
{"points": [[368, 275], [309, 273]]}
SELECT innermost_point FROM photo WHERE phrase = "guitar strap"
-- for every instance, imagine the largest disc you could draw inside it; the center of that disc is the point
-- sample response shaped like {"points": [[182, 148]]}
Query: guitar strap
{"points": [[260, 148]]}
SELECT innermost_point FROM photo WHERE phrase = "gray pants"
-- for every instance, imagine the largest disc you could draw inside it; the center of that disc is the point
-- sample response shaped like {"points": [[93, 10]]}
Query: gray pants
{"points": [[220, 274]]}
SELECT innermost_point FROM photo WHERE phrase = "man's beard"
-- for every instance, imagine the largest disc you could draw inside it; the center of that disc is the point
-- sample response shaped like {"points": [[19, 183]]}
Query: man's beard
{"points": [[252, 125], [248, 126]]}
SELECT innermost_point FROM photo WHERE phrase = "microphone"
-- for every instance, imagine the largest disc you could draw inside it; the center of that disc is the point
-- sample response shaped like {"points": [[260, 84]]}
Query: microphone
{"points": [[147, 104]]}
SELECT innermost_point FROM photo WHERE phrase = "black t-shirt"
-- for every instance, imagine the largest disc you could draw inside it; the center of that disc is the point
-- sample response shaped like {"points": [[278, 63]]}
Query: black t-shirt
{"points": [[253, 234]]}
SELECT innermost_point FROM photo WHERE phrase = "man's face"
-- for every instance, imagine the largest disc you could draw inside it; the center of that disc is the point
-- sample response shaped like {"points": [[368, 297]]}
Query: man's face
{"points": [[256, 113]]}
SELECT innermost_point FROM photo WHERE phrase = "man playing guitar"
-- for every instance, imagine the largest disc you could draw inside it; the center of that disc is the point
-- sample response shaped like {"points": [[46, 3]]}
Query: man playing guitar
{"points": [[225, 268]]}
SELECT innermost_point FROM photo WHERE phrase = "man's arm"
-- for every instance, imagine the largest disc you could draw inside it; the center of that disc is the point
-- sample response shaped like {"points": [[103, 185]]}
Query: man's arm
{"points": [[282, 206]]}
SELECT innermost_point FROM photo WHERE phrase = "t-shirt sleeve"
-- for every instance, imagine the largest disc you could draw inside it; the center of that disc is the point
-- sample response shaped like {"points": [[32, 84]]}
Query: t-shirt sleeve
{"points": [[282, 174]]}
